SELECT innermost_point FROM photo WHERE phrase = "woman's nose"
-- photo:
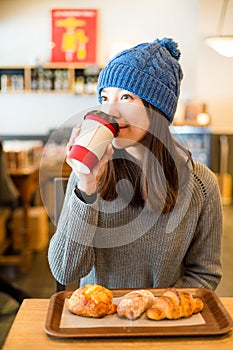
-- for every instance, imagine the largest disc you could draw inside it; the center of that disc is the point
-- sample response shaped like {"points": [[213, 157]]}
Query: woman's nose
{"points": [[112, 109]]}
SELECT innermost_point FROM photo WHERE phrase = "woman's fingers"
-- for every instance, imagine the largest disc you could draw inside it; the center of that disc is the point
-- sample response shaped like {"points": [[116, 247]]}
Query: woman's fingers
{"points": [[87, 183], [75, 132], [99, 169]]}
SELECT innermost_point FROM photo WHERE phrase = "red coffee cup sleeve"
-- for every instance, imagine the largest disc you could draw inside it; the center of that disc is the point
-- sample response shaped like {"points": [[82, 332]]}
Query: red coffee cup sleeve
{"points": [[83, 155]]}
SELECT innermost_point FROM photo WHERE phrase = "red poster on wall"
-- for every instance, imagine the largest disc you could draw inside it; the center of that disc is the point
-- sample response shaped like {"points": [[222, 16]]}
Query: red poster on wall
{"points": [[74, 35]]}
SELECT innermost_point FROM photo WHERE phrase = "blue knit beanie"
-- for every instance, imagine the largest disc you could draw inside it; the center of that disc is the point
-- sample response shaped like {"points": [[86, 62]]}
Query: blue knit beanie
{"points": [[150, 71]]}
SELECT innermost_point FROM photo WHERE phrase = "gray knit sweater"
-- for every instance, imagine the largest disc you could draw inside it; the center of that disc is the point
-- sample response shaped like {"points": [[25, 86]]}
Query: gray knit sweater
{"points": [[118, 246]]}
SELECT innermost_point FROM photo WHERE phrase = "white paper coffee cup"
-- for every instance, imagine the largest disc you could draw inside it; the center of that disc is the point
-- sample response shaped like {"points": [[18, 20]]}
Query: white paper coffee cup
{"points": [[97, 130]]}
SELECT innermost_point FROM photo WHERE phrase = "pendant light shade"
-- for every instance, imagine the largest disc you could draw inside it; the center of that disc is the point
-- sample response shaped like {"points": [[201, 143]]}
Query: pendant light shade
{"points": [[223, 44]]}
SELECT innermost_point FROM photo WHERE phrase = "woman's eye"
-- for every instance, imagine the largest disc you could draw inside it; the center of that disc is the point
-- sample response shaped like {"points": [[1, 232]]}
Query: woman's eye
{"points": [[103, 98], [126, 97]]}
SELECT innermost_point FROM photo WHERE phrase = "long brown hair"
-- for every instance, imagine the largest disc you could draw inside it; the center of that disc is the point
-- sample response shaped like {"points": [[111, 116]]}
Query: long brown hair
{"points": [[156, 181]]}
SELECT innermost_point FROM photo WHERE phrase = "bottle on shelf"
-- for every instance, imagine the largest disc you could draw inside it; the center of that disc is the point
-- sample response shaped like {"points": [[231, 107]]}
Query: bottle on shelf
{"points": [[4, 83], [80, 85], [65, 80], [48, 80], [91, 85], [57, 80], [34, 79], [40, 78]]}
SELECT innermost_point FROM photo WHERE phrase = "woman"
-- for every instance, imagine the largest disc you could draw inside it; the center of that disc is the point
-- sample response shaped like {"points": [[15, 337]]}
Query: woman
{"points": [[147, 215]]}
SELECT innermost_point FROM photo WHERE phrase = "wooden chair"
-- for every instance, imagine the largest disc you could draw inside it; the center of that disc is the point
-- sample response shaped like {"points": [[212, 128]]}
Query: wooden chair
{"points": [[60, 184]]}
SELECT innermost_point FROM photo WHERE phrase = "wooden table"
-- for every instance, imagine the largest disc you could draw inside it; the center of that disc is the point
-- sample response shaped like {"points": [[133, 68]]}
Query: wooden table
{"points": [[27, 332]]}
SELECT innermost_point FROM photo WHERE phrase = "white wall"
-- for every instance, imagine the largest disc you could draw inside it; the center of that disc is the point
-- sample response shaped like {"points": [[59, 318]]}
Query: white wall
{"points": [[25, 34], [36, 114]]}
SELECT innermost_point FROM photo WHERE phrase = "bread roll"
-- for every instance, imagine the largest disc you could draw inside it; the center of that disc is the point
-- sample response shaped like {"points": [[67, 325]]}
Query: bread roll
{"points": [[133, 304], [91, 300], [173, 305]]}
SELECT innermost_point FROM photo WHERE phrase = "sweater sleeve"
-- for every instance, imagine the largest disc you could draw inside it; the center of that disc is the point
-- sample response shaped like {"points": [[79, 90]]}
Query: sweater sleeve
{"points": [[71, 253], [202, 264]]}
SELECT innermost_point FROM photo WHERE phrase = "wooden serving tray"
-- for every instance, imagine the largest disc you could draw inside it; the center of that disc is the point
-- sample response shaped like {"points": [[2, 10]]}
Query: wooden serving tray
{"points": [[217, 319]]}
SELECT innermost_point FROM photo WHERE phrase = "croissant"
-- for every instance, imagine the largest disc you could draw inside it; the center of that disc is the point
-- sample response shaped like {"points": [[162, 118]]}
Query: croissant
{"points": [[173, 305], [133, 304], [91, 300]]}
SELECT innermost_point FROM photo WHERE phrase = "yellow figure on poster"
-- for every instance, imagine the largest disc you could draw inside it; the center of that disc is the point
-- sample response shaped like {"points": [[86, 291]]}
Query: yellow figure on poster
{"points": [[82, 39], [74, 39]]}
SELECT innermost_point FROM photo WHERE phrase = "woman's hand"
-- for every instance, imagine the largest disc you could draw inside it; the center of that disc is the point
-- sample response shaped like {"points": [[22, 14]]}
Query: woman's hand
{"points": [[75, 133], [88, 183]]}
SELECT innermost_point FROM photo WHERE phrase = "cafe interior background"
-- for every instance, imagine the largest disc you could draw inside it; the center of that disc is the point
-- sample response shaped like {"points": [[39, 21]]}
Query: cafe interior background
{"points": [[33, 120]]}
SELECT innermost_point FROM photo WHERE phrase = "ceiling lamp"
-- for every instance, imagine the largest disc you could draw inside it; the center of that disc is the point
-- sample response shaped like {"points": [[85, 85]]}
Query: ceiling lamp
{"points": [[223, 44]]}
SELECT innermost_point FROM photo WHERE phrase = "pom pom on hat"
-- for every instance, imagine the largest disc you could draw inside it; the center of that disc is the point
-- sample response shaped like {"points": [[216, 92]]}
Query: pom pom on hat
{"points": [[150, 71], [170, 45]]}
